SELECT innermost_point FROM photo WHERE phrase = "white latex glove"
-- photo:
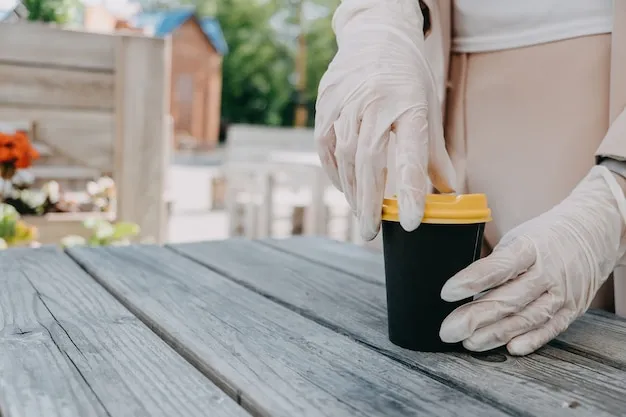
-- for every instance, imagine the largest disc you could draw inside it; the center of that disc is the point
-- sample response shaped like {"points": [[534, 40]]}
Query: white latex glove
{"points": [[379, 82], [543, 274]]}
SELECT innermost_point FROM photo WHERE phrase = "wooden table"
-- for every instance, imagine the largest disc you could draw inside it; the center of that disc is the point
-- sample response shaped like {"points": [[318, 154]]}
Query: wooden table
{"points": [[284, 328]]}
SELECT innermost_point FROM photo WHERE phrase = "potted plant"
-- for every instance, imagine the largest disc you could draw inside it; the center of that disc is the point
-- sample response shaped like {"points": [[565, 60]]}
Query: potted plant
{"points": [[103, 233], [13, 230]]}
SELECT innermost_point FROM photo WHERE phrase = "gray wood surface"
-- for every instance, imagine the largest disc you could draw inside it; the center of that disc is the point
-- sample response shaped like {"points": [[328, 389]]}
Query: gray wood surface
{"points": [[274, 361], [38, 43], [552, 382], [364, 264], [55, 87], [597, 335], [67, 348]]}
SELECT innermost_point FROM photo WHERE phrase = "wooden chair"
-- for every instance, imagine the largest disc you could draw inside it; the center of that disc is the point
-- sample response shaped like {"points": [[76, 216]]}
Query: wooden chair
{"points": [[258, 179]]}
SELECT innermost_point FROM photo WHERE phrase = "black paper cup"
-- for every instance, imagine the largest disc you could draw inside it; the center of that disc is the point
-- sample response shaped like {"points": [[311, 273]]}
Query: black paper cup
{"points": [[418, 264]]}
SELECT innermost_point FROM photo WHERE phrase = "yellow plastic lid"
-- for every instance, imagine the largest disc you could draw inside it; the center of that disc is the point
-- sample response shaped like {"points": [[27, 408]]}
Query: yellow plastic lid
{"points": [[446, 209]]}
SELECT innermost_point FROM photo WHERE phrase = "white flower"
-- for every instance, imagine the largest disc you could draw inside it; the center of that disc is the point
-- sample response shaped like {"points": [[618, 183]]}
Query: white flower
{"points": [[8, 211], [53, 190], [106, 183], [93, 188], [73, 240], [104, 231], [23, 177], [90, 223], [33, 198]]}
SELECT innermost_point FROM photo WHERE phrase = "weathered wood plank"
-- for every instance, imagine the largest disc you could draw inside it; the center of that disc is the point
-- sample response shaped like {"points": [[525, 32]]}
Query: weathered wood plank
{"points": [[41, 44], [536, 385], [598, 335], [84, 136], [142, 132], [67, 348], [363, 263], [55, 88], [64, 172], [275, 361]]}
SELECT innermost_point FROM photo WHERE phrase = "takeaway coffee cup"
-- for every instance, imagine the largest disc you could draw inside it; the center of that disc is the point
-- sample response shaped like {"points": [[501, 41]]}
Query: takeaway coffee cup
{"points": [[418, 263]]}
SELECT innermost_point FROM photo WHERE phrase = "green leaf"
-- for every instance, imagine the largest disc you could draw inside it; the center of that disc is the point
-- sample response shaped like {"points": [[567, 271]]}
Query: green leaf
{"points": [[124, 230]]}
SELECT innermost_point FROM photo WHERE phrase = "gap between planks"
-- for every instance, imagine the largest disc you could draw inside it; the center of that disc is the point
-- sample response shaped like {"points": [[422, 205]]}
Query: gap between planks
{"points": [[83, 352], [462, 388], [194, 361], [582, 368], [117, 265], [567, 341], [54, 66]]}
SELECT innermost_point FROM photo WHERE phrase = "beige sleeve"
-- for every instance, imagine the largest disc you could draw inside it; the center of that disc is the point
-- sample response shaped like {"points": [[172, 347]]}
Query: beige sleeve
{"points": [[614, 143], [437, 45]]}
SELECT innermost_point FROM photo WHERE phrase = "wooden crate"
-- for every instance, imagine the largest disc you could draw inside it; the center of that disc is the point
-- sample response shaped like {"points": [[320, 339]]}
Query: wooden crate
{"points": [[96, 104]]}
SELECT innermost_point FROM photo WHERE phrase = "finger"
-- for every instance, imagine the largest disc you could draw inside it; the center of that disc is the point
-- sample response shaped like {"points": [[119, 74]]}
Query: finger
{"points": [[503, 264], [346, 130], [371, 171], [531, 341], [411, 166], [497, 304], [325, 138], [440, 168], [535, 314], [326, 142]]}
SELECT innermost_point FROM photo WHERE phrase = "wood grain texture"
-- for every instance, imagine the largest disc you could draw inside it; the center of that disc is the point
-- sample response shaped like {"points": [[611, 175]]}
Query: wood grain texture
{"points": [[82, 136], [363, 264], [142, 132], [536, 385], [40, 44], [599, 335], [67, 348], [55, 88], [276, 362]]}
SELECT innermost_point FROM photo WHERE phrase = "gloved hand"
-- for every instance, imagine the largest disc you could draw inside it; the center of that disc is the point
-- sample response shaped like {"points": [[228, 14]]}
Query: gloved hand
{"points": [[379, 82], [543, 274]]}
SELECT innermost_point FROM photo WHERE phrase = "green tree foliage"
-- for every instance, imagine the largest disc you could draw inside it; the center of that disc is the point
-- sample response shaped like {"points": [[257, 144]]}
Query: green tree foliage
{"points": [[54, 11], [322, 47], [258, 85]]}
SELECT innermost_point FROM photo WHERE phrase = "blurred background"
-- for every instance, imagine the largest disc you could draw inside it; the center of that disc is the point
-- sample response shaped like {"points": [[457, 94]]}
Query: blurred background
{"points": [[165, 120]]}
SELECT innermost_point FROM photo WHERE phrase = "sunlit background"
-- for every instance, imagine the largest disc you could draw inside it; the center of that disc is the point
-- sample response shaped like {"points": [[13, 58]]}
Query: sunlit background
{"points": [[243, 85]]}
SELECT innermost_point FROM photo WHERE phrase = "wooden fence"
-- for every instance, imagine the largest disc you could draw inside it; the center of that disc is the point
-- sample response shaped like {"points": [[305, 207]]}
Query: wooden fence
{"points": [[97, 104]]}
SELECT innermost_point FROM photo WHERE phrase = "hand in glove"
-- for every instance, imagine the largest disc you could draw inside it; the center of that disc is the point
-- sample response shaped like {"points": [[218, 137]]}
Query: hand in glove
{"points": [[543, 274], [379, 82]]}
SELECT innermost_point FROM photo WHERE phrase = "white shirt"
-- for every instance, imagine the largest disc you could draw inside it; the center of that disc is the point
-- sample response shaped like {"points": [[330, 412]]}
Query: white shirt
{"points": [[489, 25]]}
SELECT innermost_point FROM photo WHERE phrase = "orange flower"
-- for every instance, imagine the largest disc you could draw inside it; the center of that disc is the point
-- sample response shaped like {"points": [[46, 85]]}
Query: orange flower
{"points": [[17, 150], [26, 152]]}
